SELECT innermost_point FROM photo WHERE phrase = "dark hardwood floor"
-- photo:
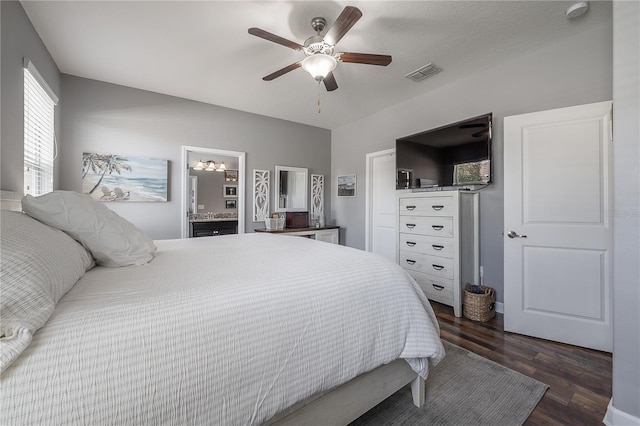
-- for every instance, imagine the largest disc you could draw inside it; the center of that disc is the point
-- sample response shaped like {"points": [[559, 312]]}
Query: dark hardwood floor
{"points": [[579, 379]]}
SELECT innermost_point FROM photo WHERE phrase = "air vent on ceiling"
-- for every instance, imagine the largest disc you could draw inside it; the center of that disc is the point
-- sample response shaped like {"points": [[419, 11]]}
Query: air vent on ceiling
{"points": [[424, 72]]}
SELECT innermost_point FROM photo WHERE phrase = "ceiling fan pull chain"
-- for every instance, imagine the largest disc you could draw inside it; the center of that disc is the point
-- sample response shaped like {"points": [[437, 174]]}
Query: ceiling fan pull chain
{"points": [[319, 96]]}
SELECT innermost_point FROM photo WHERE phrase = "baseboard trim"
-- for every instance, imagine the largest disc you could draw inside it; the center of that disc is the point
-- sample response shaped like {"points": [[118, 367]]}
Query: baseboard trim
{"points": [[500, 307], [615, 417]]}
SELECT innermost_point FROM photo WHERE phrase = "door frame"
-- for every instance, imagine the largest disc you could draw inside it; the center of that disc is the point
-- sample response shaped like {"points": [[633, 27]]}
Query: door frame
{"points": [[184, 203], [193, 181], [368, 198]]}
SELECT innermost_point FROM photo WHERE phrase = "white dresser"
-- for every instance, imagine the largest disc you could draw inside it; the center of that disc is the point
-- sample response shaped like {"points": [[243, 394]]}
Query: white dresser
{"points": [[438, 242], [328, 234]]}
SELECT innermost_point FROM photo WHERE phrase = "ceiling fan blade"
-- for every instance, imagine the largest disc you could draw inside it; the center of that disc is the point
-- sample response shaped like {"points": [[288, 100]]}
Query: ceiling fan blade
{"points": [[282, 71], [481, 133], [349, 16], [330, 82], [365, 58], [274, 38], [473, 126]]}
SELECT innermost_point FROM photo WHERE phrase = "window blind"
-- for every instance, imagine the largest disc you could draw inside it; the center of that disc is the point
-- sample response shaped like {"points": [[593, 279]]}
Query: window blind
{"points": [[39, 134]]}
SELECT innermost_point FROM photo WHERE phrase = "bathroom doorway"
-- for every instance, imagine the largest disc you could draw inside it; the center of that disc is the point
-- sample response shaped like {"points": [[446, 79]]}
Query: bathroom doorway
{"points": [[226, 166]]}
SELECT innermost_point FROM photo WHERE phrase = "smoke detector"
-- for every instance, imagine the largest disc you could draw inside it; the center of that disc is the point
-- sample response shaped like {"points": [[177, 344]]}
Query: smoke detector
{"points": [[577, 9]]}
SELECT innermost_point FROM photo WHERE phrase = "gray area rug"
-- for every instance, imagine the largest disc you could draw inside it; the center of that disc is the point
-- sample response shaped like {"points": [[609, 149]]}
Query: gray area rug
{"points": [[464, 389]]}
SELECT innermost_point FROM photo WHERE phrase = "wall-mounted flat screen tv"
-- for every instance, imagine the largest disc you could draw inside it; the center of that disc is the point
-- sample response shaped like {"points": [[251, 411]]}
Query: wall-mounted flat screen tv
{"points": [[455, 155]]}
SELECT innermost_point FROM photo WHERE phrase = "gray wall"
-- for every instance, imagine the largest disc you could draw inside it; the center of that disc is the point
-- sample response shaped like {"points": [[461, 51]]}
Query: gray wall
{"points": [[574, 71], [103, 117], [20, 40], [626, 220]]}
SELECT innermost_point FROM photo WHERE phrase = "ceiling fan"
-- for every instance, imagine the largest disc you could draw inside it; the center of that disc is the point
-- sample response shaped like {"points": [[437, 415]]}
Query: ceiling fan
{"points": [[484, 126], [320, 60]]}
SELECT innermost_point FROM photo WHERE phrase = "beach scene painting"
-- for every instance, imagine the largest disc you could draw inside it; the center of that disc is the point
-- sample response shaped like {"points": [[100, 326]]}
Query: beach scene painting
{"points": [[112, 177]]}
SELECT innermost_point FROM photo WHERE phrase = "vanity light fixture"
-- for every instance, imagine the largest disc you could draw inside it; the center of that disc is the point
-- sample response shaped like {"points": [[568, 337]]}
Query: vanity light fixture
{"points": [[209, 166]]}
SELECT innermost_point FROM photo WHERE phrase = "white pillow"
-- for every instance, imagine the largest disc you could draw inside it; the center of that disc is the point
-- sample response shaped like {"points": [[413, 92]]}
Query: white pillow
{"points": [[39, 264], [112, 240]]}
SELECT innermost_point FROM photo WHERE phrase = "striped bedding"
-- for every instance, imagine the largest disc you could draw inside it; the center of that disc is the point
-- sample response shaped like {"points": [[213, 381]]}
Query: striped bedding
{"points": [[226, 330]]}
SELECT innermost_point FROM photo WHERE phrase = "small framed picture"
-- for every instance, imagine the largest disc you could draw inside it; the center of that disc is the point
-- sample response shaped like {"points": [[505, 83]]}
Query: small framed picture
{"points": [[230, 191], [230, 175], [230, 204], [347, 186]]}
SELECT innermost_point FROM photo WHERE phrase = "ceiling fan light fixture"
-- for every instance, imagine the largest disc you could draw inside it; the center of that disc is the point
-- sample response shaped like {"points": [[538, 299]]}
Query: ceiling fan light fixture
{"points": [[319, 65]]}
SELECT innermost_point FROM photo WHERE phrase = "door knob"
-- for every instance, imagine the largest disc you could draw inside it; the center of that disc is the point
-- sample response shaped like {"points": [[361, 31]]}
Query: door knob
{"points": [[512, 234]]}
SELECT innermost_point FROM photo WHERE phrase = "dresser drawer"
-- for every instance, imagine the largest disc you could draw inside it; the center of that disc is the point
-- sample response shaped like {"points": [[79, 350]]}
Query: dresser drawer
{"points": [[434, 246], [435, 288], [432, 206], [440, 266], [434, 226]]}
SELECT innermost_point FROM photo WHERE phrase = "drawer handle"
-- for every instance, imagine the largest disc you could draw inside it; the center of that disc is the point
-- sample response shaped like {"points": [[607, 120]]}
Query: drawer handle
{"points": [[437, 247], [437, 227], [438, 287], [411, 225], [410, 262], [410, 208], [411, 243], [437, 267], [437, 208]]}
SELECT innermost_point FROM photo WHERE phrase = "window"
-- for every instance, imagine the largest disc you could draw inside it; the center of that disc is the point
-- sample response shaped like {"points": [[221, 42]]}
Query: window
{"points": [[39, 133]]}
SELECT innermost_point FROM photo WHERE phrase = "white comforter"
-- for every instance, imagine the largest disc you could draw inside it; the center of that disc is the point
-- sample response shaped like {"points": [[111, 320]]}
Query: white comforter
{"points": [[219, 330]]}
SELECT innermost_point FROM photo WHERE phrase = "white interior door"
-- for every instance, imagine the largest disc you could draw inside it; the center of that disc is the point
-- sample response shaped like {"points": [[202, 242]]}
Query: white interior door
{"points": [[381, 211], [557, 235]]}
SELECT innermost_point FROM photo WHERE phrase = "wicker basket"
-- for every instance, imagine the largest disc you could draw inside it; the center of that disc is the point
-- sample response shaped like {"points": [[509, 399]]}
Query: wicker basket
{"points": [[479, 307]]}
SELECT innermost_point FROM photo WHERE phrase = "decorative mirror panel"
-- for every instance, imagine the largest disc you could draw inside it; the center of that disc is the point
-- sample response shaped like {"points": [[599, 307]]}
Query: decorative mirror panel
{"points": [[261, 181], [317, 196]]}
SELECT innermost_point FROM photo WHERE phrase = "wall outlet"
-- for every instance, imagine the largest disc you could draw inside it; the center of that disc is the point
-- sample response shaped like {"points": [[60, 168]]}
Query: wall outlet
{"points": [[200, 206]]}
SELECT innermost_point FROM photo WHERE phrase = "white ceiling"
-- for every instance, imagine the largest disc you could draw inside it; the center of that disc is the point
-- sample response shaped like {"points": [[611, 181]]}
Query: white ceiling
{"points": [[201, 50]]}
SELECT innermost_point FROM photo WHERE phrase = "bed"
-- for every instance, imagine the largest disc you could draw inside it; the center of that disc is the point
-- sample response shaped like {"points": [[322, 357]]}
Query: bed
{"points": [[240, 329]]}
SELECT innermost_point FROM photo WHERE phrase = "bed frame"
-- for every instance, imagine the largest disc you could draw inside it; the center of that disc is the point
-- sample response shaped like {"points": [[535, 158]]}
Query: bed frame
{"points": [[349, 401], [339, 406], [10, 200]]}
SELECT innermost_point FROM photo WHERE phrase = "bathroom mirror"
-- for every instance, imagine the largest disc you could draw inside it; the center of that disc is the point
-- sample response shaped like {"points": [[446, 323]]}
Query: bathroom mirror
{"points": [[291, 189]]}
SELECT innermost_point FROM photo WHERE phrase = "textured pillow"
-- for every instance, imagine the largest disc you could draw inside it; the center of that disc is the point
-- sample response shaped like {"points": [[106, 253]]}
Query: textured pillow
{"points": [[39, 264], [112, 240]]}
